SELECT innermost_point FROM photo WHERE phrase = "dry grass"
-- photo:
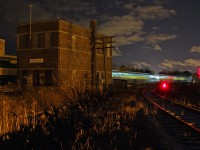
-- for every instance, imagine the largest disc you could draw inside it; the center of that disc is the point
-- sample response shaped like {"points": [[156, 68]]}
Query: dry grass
{"points": [[16, 113], [86, 124]]}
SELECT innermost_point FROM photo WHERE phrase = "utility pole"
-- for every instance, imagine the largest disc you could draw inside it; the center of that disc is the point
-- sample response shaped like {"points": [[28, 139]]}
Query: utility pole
{"points": [[93, 27], [105, 43], [30, 5]]}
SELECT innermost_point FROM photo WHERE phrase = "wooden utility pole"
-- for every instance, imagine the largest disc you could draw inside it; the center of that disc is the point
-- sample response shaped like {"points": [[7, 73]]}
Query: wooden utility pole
{"points": [[98, 42], [105, 43], [93, 26]]}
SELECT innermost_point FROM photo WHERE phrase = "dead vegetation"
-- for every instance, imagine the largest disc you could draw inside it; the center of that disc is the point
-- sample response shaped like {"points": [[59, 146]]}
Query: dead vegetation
{"points": [[116, 122]]}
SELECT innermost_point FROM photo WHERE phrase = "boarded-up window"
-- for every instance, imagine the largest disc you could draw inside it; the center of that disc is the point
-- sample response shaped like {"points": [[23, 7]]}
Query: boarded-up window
{"points": [[98, 77], [38, 40], [73, 42], [24, 41], [74, 74], [24, 77], [30, 78], [100, 51], [35, 78], [48, 40], [41, 40], [85, 75], [54, 39], [68, 38], [35, 40], [42, 77], [49, 78]]}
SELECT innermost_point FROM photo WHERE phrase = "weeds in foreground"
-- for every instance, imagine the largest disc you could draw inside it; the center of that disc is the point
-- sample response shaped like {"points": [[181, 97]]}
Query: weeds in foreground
{"points": [[16, 113], [84, 124]]}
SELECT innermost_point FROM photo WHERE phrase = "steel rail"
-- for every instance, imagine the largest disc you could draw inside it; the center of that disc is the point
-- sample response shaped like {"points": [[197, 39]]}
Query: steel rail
{"points": [[187, 125]]}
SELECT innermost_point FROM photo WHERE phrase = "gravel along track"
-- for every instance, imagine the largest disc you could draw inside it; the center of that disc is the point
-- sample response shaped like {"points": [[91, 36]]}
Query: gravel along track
{"points": [[181, 123]]}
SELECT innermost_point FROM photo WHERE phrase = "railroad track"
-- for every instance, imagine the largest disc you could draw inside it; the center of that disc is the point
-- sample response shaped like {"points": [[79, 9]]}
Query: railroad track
{"points": [[180, 122], [184, 98]]}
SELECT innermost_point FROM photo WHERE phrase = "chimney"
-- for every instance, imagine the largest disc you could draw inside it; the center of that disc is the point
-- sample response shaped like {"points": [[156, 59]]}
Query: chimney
{"points": [[93, 27]]}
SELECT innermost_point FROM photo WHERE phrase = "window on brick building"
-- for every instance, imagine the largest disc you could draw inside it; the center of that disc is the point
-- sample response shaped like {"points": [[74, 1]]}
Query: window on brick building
{"points": [[42, 78], [54, 39], [85, 75], [38, 40], [74, 75], [49, 78], [48, 40], [41, 41], [24, 41], [24, 77], [73, 42], [35, 40], [36, 78], [30, 78]]}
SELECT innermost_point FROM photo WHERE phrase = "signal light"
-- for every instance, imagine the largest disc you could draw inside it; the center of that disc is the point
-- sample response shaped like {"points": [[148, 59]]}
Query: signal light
{"points": [[164, 86], [198, 72]]}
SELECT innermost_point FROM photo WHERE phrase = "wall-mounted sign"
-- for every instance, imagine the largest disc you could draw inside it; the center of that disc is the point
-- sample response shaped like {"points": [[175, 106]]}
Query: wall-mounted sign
{"points": [[37, 60]]}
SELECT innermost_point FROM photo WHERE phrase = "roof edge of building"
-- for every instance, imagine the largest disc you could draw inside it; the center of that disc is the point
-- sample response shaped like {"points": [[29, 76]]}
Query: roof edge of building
{"points": [[62, 20], [53, 20], [8, 56]]}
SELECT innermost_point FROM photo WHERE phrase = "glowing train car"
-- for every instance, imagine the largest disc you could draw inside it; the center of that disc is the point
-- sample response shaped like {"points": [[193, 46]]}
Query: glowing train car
{"points": [[138, 77]]}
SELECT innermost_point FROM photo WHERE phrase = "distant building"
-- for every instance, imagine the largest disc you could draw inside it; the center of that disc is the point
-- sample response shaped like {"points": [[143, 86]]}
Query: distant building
{"points": [[8, 66], [2, 47], [8, 69], [62, 54]]}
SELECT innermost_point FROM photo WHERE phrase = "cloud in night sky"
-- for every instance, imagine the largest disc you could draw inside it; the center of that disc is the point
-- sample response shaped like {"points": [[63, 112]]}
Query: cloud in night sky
{"points": [[116, 52], [122, 25], [195, 49], [140, 64], [129, 6], [193, 62], [126, 29], [171, 64], [153, 40], [166, 64], [154, 12], [143, 29]]}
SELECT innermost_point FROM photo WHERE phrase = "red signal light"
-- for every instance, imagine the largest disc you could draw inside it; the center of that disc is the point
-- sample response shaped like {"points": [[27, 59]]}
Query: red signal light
{"points": [[164, 86], [198, 72]]}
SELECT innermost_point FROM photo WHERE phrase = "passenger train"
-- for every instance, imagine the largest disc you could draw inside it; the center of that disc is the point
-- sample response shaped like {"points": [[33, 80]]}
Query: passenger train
{"points": [[138, 77]]}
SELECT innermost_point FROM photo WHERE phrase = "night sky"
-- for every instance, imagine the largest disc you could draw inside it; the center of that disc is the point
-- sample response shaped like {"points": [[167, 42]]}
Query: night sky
{"points": [[158, 34]]}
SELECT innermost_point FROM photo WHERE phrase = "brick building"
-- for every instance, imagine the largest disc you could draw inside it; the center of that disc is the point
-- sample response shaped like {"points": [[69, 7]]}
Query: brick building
{"points": [[8, 66], [65, 55], [2, 47]]}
